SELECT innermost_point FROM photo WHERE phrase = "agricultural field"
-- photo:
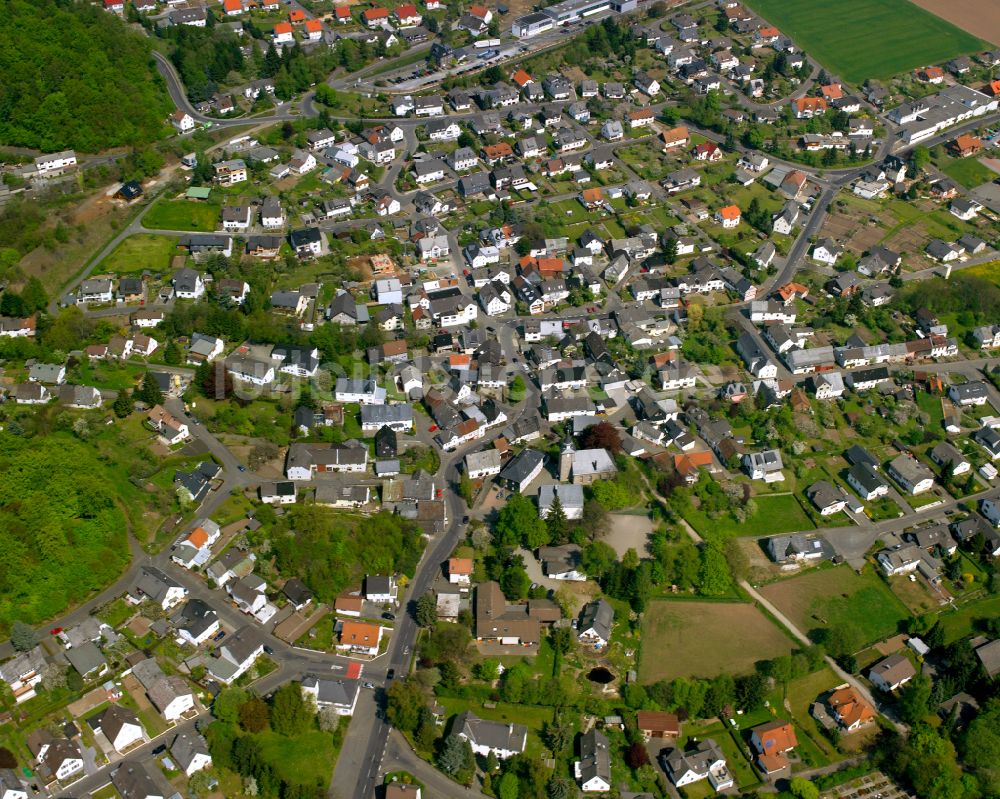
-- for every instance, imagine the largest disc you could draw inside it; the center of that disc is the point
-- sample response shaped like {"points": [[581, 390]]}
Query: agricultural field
{"points": [[989, 271], [860, 39], [141, 253], [839, 596], [703, 639], [979, 17]]}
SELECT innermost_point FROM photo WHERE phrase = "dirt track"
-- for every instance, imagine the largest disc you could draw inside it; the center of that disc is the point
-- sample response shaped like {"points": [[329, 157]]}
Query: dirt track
{"points": [[979, 17]]}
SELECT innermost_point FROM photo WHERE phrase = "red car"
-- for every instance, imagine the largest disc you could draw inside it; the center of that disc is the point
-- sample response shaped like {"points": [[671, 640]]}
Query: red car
{"points": [[55, 631], [432, 428]]}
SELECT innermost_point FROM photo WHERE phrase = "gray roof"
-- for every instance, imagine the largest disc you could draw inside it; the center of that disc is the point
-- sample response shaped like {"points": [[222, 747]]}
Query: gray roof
{"points": [[133, 781], [598, 616], [340, 692], [86, 658], [522, 465], [186, 746], [595, 756], [493, 734], [114, 718], [239, 646]]}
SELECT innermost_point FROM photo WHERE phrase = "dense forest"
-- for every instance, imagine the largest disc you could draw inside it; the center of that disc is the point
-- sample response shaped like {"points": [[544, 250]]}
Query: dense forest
{"points": [[73, 76], [62, 535]]}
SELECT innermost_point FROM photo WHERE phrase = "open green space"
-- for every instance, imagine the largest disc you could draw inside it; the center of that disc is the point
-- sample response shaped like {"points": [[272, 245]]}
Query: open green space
{"points": [[860, 39], [140, 253], [839, 596], [989, 271], [779, 513], [969, 172], [703, 639], [304, 759], [182, 215], [959, 623]]}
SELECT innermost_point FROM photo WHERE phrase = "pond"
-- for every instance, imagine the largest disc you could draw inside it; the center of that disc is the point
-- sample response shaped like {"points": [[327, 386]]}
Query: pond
{"points": [[600, 675]]}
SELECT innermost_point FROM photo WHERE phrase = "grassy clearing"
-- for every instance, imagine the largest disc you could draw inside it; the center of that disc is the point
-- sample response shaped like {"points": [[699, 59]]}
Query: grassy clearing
{"points": [[779, 513], [140, 253], [969, 172], [839, 596], [182, 215], [859, 39], [703, 639], [989, 271], [304, 759], [959, 623]]}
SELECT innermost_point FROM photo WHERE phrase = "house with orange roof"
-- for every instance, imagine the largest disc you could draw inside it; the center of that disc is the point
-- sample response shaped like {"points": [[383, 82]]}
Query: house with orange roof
{"points": [[791, 292], [407, 16], [832, 91], [930, 75], [728, 216], [966, 145], [994, 88], [690, 464], [592, 198], [707, 151], [675, 137], [550, 267], [375, 17], [459, 361], [361, 638], [460, 571], [772, 742], [765, 36], [808, 107], [521, 78], [481, 13], [296, 15], [642, 118], [282, 33], [492, 153], [342, 14], [196, 549], [850, 710], [314, 30], [232, 8]]}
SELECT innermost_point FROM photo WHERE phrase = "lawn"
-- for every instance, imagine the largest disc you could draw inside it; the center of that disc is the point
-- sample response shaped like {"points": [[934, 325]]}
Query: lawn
{"points": [[142, 252], [182, 215], [969, 172], [675, 643], [860, 39], [959, 623], [305, 759], [779, 513], [839, 596]]}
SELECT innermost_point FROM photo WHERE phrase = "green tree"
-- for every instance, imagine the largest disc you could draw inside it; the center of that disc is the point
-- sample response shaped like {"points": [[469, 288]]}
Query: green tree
{"points": [[290, 714], [518, 523], [425, 610], [920, 157], [172, 354], [123, 404], [914, 699], [33, 296], [466, 489], [802, 788], [556, 522], [456, 755], [22, 636], [253, 715], [713, 575], [517, 388], [404, 699], [559, 788], [150, 392], [227, 704], [507, 787]]}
